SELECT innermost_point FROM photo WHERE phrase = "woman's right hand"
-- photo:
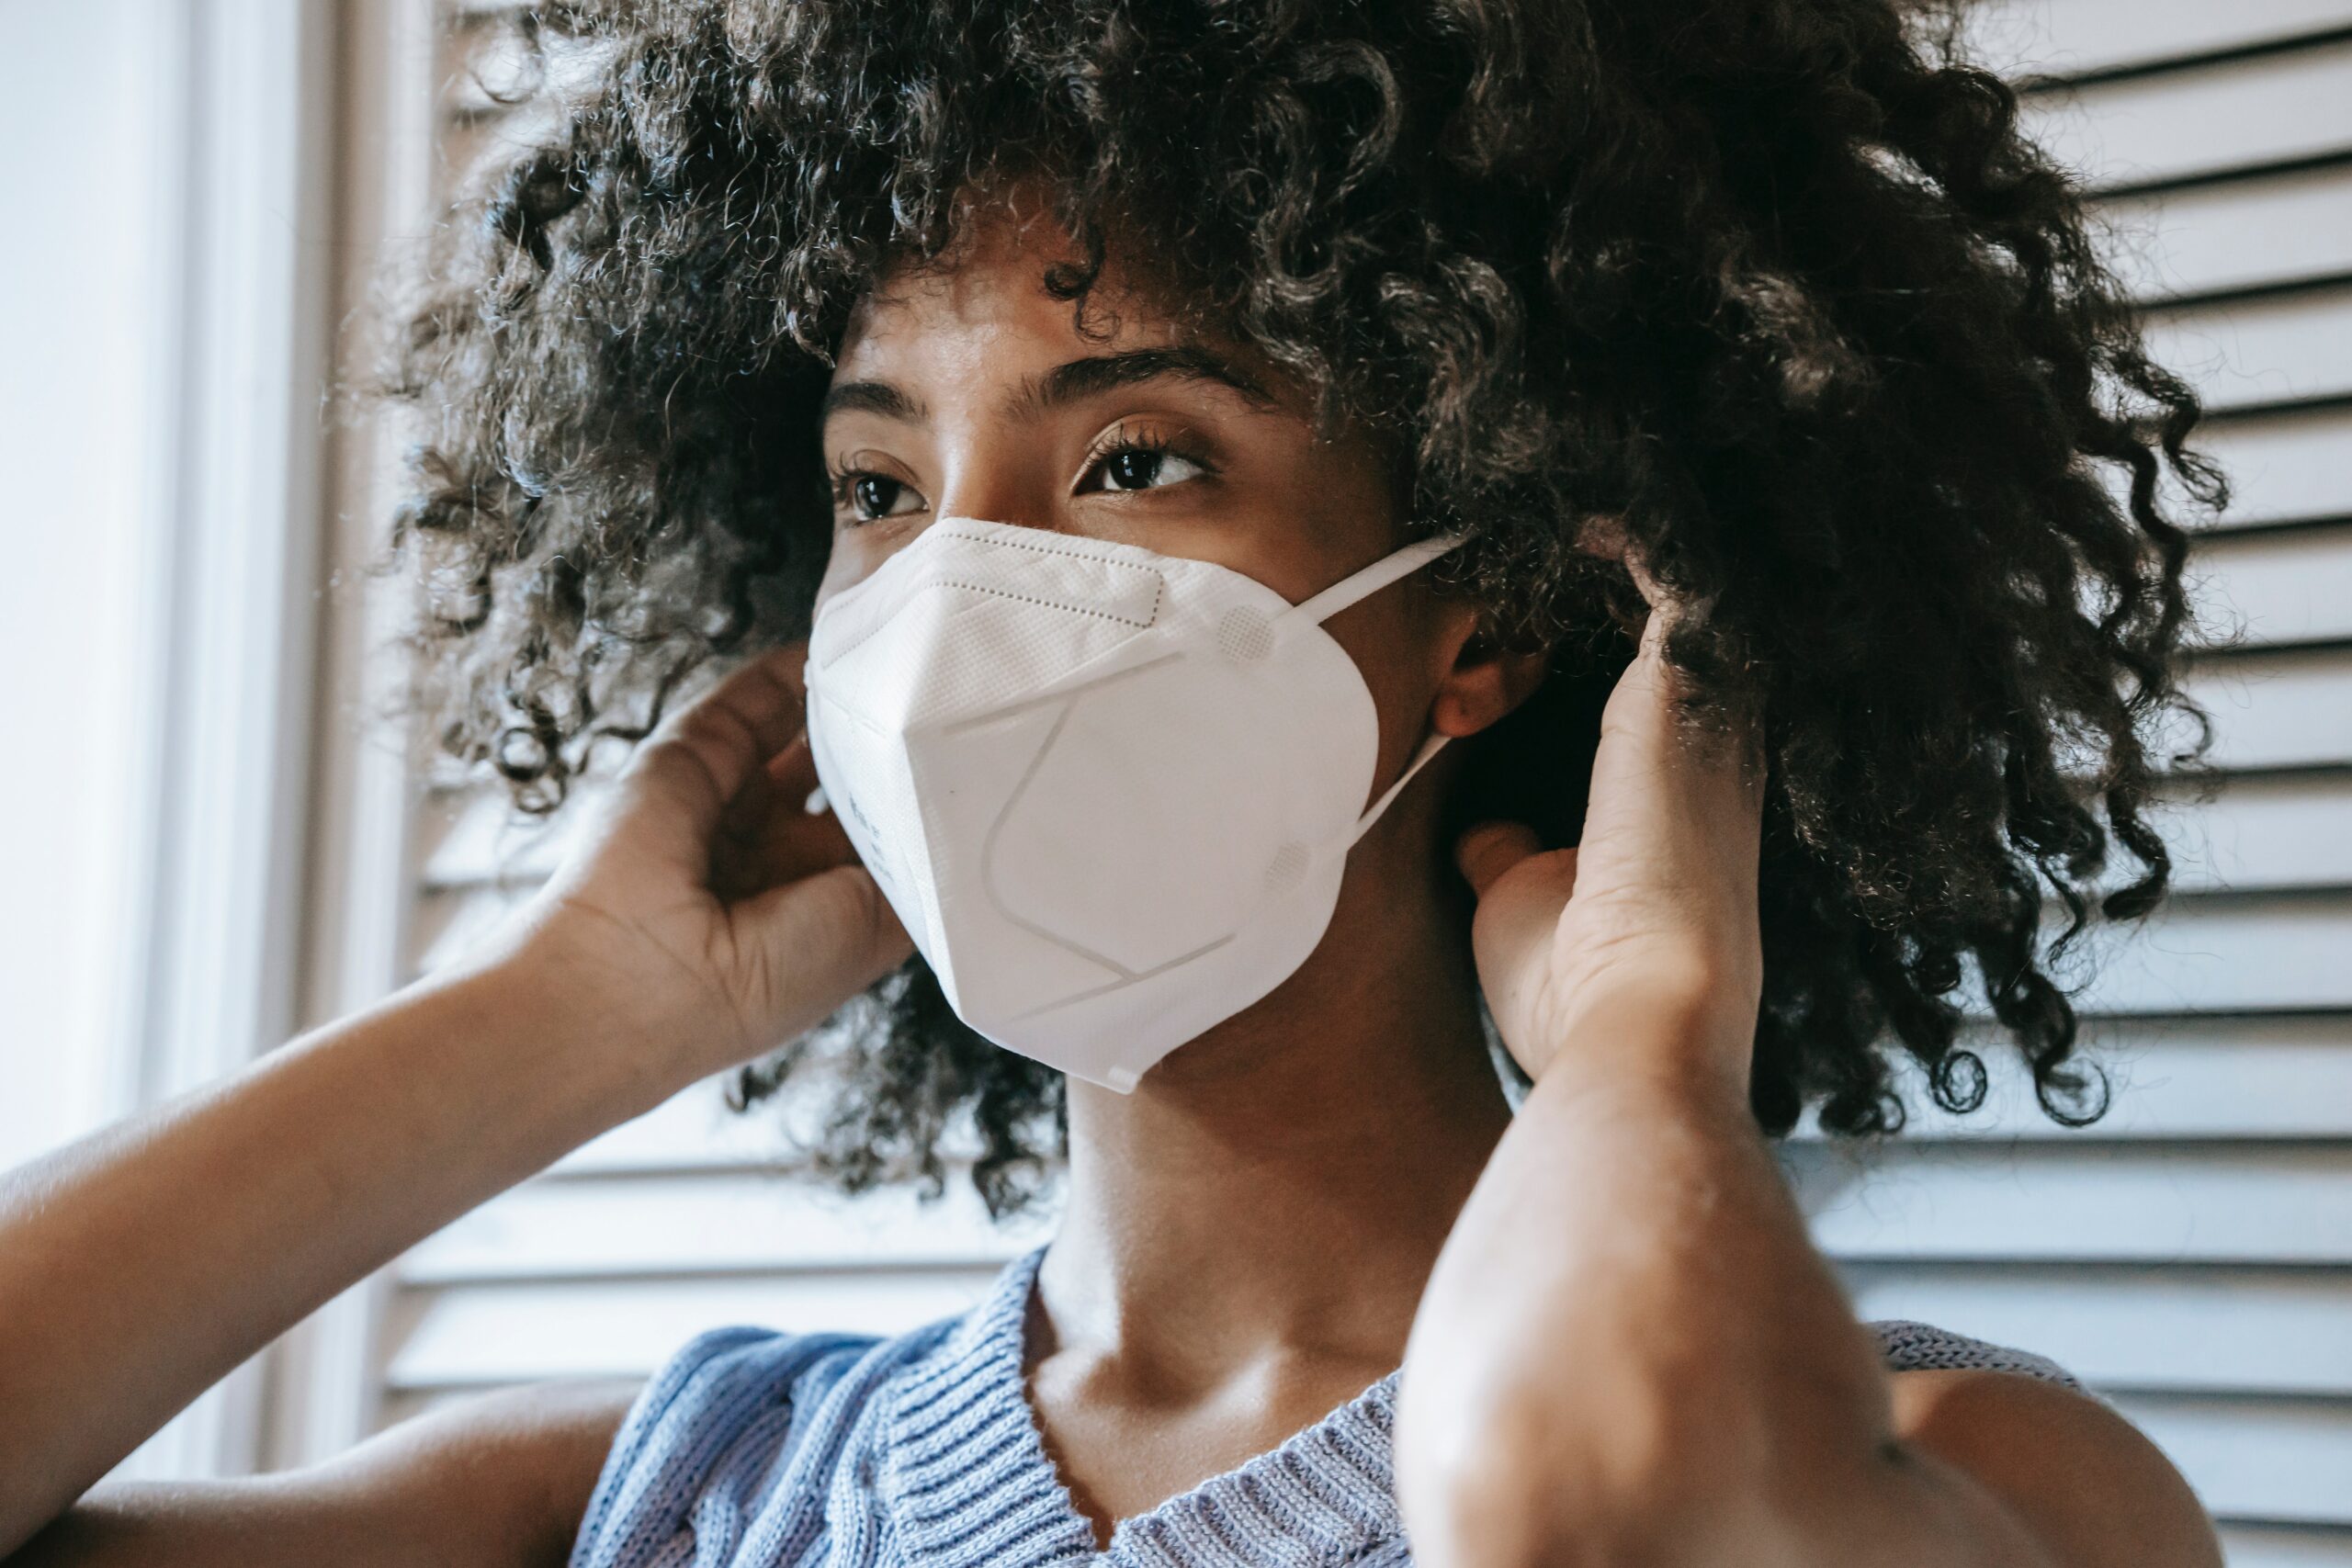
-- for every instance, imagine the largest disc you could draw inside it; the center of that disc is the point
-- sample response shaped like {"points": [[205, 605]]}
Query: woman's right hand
{"points": [[705, 918], [705, 904]]}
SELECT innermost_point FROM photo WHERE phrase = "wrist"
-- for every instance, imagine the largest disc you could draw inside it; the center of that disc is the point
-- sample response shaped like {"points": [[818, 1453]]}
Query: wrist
{"points": [[1683, 1028], [623, 1054]]}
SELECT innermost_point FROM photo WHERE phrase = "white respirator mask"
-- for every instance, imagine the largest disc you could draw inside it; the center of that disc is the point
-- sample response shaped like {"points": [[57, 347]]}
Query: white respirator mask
{"points": [[1110, 792]]}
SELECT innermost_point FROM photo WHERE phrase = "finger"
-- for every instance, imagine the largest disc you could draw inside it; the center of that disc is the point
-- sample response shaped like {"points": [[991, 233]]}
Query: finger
{"points": [[1603, 535], [1648, 702], [704, 754], [773, 806], [1522, 891], [747, 813], [769, 836], [1675, 799], [782, 783], [1653, 591], [1490, 849], [1651, 644], [821, 942], [1724, 736], [748, 717], [795, 843], [793, 770], [1513, 935]]}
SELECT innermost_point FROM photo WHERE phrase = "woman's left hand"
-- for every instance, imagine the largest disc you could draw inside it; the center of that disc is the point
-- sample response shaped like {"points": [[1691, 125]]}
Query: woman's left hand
{"points": [[1630, 1349], [1656, 906], [1545, 1413]]}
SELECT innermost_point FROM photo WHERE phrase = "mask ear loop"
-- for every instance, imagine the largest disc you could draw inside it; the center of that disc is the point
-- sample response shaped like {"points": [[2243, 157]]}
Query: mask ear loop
{"points": [[1370, 579], [1362, 584], [1429, 748]]}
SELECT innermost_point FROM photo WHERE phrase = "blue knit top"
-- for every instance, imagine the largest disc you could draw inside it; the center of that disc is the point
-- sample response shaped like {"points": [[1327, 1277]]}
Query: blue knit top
{"points": [[751, 1447]]}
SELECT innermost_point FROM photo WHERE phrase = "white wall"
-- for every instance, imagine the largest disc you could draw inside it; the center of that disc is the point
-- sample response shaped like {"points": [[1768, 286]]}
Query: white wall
{"points": [[165, 311], [87, 189]]}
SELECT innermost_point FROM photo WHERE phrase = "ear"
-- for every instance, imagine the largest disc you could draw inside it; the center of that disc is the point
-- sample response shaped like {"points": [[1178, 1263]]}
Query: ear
{"points": [[1484, 678]]}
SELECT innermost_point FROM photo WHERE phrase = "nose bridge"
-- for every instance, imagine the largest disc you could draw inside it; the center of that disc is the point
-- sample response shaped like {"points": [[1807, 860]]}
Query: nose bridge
{"points": [[996, 471], [984, 477]]}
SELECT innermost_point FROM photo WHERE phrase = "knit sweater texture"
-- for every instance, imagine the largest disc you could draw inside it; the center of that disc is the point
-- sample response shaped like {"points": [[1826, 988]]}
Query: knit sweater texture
{"points": [[754, 1447]]}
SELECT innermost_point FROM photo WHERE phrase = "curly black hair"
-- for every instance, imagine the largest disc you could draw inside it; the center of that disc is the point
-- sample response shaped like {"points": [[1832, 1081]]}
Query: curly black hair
{"points": [[1774, 290]]}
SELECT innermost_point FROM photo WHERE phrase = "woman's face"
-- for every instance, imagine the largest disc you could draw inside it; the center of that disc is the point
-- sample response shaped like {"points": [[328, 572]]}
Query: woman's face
{"points": [[969, 392]]}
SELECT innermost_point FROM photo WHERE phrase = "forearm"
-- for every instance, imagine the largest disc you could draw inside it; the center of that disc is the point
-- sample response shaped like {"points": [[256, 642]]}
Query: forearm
{"points": [[144, 1262], [1711, 1399]]}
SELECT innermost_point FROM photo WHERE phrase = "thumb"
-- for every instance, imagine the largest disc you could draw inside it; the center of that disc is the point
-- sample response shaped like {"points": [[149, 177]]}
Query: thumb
{"points": [[813, 943]]}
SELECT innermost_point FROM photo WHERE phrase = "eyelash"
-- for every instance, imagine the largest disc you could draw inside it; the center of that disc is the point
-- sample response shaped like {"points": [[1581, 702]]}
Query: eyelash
{"points": [[844, 478], [1119, 441]]}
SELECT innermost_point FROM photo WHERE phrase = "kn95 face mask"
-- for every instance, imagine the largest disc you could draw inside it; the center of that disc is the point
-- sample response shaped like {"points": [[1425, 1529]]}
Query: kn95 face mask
{"points": [[1108, 793]]}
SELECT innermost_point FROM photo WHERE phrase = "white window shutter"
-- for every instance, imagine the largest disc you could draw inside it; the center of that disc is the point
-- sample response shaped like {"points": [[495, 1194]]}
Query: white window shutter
{"points": [[2190, 1256]]}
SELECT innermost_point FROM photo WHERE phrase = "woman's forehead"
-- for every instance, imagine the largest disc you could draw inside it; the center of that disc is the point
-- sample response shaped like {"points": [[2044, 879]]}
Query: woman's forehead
{"points": [[998, 292], [986, 298]]}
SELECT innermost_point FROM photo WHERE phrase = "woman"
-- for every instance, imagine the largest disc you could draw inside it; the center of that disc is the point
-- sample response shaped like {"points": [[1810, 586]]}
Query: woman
{"points": [[1466, 331]]}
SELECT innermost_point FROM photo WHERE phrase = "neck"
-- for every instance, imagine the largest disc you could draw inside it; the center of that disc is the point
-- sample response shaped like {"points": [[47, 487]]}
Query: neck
{"points": [[1282, 1183]]}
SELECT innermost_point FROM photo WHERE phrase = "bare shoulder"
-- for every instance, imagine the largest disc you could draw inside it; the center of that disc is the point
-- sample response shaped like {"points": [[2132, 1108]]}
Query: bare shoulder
{"points": [[2084, 1479], [496, 1481]]}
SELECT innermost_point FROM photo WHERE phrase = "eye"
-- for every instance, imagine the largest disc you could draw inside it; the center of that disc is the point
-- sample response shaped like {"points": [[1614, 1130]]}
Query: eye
{"points": [[1144, 461], [869, 497], [1136, 467]]}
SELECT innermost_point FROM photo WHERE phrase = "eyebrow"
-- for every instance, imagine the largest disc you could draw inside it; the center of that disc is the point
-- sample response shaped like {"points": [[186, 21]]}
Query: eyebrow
{"points": [[871, 396], [1091, 378], [1068, 383]]}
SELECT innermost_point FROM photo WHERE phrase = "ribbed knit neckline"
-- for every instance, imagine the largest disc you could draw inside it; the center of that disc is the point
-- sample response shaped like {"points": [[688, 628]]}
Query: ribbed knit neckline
{"points": [[969, 1479]]}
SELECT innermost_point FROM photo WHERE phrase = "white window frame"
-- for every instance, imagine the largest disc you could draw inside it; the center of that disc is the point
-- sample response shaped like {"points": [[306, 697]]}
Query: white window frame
{"points": [[323, 1375], [269, 867]]}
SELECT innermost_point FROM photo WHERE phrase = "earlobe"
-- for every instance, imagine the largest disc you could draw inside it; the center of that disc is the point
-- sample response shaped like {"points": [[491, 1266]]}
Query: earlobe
{"points": [[1488, 679]]}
